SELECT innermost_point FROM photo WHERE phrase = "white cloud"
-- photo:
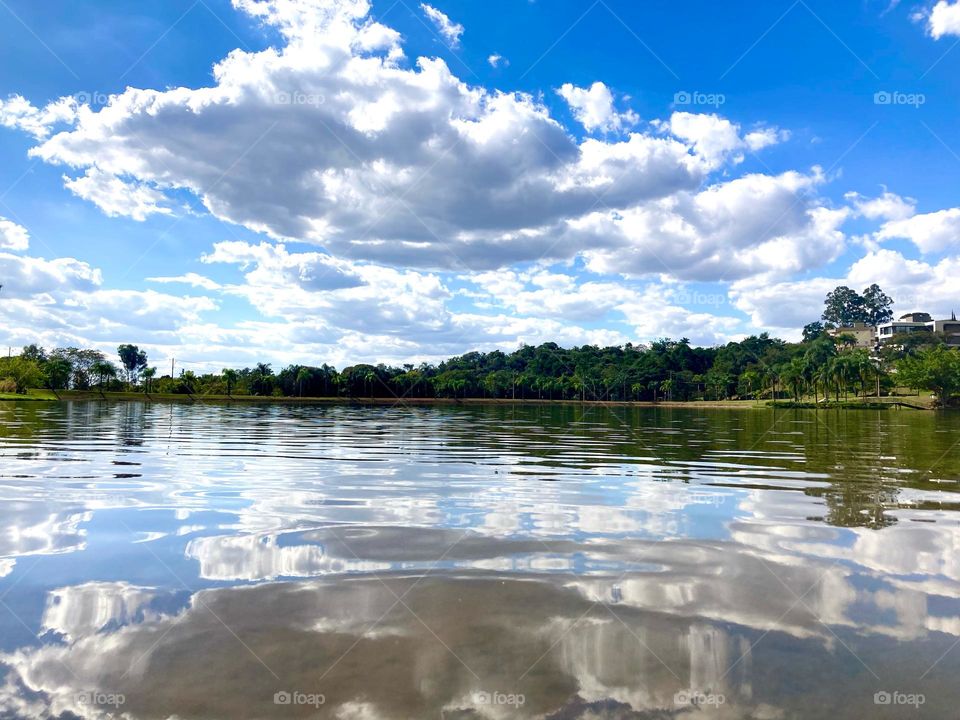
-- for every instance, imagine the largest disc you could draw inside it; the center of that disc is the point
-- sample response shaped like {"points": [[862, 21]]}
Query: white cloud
{"points": [[593, 108], [651, 311], [496, 60], [944, 19], [402, 173], [62, 301], [13, 236], [765, 137], [275, 267], [888, 206], [756, 224], [23, 277], [450, 30], [379, 163], [931, 232], [716, 139], [913, 285], [332, 140], [192, 279], [17, 112], [116, 197]]}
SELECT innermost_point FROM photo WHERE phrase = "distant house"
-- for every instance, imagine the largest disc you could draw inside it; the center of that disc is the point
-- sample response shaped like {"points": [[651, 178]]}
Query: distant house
{"points": [[950, 328], [920, 322], [865, 335]]}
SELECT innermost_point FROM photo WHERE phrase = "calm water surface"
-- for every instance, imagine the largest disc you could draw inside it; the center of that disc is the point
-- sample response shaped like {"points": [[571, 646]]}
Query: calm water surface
{"points": [[174, 561]]}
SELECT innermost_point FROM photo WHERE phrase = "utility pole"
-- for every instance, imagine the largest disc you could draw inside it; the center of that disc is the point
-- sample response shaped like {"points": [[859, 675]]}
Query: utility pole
{"points": [[172, 362]]}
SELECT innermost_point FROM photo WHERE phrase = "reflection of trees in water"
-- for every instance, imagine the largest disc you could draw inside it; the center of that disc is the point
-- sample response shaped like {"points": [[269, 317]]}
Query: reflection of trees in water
{"points": [[852, 506], [857, 462], [865, 458], [131, 423]]}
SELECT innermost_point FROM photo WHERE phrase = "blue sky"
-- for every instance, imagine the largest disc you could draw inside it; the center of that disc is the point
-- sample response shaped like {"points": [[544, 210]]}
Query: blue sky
{"points": [[401, 181]]}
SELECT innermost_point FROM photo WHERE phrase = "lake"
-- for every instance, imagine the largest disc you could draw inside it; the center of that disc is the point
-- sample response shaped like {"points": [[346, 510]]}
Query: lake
{"points": [[529, 561]]}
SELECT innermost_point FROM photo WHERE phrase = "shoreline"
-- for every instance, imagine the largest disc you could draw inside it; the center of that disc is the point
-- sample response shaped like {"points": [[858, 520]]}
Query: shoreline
{"points": [[891, 403]]}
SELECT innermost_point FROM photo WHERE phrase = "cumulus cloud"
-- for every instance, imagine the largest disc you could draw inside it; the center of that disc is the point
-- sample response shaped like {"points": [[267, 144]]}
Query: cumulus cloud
{"points": [[593, 108], [116, 197], [888, 206], [717, 139], [931, 232], [651, 311], [17, 112], [450, 30], [13, 236], [336, 140], [427, 200], [63, 301], [913, 284], [24, 277], [496, 60], [756, 224], [944, 19]]}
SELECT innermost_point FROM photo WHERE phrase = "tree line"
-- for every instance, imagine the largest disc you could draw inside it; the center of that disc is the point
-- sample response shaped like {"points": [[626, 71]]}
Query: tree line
{"points": [[820, 368], [823, 366]]}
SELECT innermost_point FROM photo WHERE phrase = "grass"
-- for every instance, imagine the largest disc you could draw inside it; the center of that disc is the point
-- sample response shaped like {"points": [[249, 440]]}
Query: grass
{"points": [[32, 395], [887, 402]]}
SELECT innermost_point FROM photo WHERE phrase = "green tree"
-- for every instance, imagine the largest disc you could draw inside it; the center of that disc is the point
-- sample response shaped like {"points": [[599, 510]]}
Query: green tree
{"points": [[935, 369], [56, 373], [261, 380], [24, 372], [103, 371], [230, 377], [148, 375], [878, 306], [35, 353], [812, 331], [793, 376], [188, 381], [134, 360], [303, 375], [844, 307]]}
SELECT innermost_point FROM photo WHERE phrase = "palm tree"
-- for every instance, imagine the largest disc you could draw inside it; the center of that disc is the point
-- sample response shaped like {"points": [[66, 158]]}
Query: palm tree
{"points": [[792, 374], [369, 378], [666, 387], [148, 375], [825, 375], [303, 375], [188, 378], [103, 370], [230, 377]]}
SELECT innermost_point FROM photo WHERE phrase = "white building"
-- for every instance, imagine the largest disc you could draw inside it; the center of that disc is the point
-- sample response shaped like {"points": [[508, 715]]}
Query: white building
{"points": [[920, 322]]}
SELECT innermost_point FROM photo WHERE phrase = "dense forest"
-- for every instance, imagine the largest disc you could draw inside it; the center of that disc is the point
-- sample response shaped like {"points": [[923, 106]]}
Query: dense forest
{"points": [[821, 367], [824, 366]]}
